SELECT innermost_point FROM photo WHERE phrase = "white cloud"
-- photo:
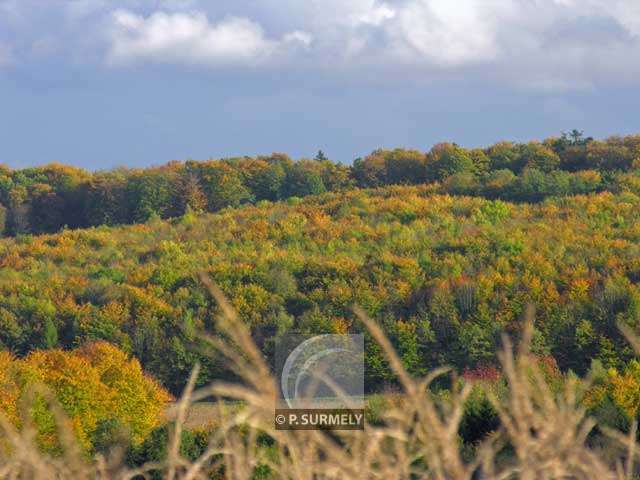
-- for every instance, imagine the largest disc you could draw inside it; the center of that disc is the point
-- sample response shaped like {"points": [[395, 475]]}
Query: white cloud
{"points": [[329, 14], [447, 33], [625, 12], [547, 44], [376, 15], [191, 38], [302, 38], [544, 44]]}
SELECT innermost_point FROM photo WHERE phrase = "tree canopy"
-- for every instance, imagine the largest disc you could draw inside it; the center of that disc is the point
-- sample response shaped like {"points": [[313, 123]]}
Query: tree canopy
{"points": [[49, 198]]}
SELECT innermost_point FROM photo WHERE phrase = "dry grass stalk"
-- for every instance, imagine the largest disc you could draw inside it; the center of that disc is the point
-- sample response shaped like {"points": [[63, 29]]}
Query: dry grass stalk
{"points": [[418, 439]]}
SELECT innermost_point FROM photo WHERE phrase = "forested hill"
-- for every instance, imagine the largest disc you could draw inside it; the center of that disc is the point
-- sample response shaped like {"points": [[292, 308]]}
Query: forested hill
{"points": [[444, 275], [46, 199]]}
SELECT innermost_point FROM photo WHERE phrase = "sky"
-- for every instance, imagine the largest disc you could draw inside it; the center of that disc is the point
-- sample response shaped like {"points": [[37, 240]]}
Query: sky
{"points": [[105, 83]]}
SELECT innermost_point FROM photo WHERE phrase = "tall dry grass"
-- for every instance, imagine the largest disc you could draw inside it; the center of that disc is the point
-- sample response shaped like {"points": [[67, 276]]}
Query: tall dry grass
{"points": [[543, 434]]}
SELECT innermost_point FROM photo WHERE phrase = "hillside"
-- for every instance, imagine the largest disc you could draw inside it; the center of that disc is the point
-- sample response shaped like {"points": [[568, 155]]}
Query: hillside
{"points": [[444, 275]]}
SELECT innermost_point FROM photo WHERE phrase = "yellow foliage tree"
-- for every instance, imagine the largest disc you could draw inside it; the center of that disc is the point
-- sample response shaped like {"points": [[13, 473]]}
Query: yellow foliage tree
{"points": [[625, 388], [93, 385], [9, 389], [138, 401]]}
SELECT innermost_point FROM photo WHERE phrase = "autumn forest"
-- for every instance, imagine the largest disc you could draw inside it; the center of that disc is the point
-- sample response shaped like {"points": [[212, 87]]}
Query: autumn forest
{"points": [[100, 293]]}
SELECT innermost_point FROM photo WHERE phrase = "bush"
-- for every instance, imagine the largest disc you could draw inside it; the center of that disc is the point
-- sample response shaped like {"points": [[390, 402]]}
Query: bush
{"points": [[480, 417]]}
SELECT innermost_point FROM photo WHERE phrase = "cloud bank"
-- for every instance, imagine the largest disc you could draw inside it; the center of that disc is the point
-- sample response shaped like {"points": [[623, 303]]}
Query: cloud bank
{"points": [[552, 44]]}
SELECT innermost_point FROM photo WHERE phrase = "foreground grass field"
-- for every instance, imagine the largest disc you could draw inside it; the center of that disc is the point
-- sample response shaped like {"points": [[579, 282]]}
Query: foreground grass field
{"points": [[198, 415], [542, 434]]}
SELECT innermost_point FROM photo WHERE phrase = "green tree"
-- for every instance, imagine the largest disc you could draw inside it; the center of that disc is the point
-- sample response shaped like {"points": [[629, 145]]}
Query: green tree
{"points": [[149, 194], [223, 185], [465, 183], [266, 177], [105, 198], [320, 156], [505, 155], [46, 211], [539, 156], [50, 334], [404, 166], [449, 159], [499, 183], [481, 161], [610, 155], [370, 171], [304, 179], [3, 219]]}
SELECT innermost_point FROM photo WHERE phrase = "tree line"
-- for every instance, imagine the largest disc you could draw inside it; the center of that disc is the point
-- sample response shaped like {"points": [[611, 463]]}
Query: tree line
{"points": [[48, 198]]}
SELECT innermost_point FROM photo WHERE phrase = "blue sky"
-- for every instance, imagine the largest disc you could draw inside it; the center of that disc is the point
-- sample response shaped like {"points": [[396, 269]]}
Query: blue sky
{"points": [[101, 83]]}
